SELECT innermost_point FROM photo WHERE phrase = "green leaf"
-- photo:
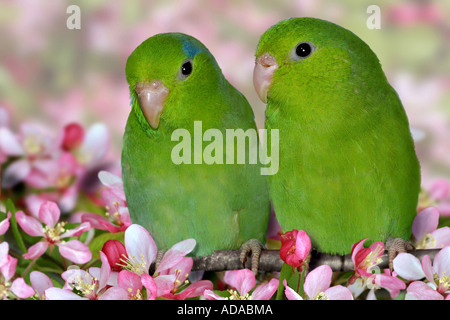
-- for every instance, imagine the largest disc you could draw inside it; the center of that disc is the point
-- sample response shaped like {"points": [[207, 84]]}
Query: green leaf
{"points": [[288, 273], [14, 227], [98, 242]]}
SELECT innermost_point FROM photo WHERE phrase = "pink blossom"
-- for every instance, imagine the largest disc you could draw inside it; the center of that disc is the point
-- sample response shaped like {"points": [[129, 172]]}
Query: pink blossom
{"points": [[129, 287], [437, 274], [244, 281], [181, 289], [40, 282], [437, 195], [426, 234], [117, 215], [16, 288], [34, 146], [364, 259], [317, 287], [94, 146], [295, 247], [53, 234], [90, 285]]}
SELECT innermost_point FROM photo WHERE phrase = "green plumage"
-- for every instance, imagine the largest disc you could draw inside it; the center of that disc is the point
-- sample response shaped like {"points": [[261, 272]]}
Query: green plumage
{"points": [[348, 168], [219, 205]]}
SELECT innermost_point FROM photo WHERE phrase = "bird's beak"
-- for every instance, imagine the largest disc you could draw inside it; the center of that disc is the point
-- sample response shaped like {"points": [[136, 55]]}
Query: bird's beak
{"points": [[265, 66], [151, 98]]}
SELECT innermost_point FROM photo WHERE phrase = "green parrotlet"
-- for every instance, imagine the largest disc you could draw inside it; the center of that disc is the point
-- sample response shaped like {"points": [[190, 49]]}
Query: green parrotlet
{"points": [[347, 163], [175, 81]]}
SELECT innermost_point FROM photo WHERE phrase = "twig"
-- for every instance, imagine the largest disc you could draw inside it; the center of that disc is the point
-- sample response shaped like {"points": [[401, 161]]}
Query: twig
{"points": [[270, 260]]}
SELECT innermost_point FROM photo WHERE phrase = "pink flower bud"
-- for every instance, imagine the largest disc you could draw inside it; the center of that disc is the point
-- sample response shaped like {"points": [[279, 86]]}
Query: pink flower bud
{"points": [[115, 252], [73, 136], [295, 247]]}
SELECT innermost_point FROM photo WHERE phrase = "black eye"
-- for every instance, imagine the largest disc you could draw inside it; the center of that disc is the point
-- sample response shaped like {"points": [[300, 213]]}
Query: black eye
{"points": [[302, 50], [186, 69]]}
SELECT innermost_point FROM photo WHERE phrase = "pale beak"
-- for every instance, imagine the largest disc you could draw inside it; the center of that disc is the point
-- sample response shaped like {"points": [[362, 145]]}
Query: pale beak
{"points": [[265, 66], [151, 98]]}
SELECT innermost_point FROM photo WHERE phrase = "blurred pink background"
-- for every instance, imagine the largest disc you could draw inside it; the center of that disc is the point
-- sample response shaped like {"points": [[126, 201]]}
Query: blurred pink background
{"points": [[53, 75]]}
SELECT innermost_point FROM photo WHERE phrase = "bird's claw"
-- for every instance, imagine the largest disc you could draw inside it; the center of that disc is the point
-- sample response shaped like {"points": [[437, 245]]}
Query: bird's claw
{"points": [[254, 248], [396, 246], [159, 257]]}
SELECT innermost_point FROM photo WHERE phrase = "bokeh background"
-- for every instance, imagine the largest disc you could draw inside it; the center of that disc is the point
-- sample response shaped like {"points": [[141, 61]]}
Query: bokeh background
{"points": [[52, 75]]}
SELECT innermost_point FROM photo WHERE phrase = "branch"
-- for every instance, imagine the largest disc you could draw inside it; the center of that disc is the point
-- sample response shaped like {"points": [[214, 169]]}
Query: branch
{"points": [[270, 260]]}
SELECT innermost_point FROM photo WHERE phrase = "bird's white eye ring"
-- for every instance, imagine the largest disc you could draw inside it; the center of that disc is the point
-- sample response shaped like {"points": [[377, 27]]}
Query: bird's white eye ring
{"points": [[185, 69], [302, 50]]}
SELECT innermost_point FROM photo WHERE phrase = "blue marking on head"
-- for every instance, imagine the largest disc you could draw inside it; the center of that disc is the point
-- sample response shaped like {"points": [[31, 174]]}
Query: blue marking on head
{"points": [[190, 49]]}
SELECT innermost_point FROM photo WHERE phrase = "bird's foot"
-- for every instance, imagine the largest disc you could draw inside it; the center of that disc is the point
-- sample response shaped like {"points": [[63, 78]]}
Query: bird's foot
{"points": [[252, 247], [396, 246], [159, 257]]}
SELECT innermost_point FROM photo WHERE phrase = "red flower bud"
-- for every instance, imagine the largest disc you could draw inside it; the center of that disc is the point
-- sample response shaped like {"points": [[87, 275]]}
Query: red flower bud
{"points": [[73, 136], [295, 247], [115, 252]]}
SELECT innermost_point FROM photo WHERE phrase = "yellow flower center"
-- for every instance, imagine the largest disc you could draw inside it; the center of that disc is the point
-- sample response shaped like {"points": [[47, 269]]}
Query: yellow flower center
{"points": [[53, 235], [321, 296], [115, 216], [137, 296], [234, 295], [373, 258], [4, 289], [85, 285], [427, 241], [32, 145], [443, 282], [133, 264]]}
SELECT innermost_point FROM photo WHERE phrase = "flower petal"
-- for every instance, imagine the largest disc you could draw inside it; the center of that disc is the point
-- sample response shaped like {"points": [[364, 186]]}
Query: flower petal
{"points": [[338, 293], [17, 171], [423, 292], [75, 251], [194, 290], [129, 281], [290, 293], [266, 291], [30, 225], [425, 222], [9, 144], [243, 280], [150, 286], [78, 231], [211, 295], [440, 189], [4, 225], [61, 294], [164, 284], [40, 282], [4, 249], [49, 213], [442, 237], [408, 267], [176, 254], [139, 243], [427, 268], [115, 293], [21, 289], [36, 250], [318, 280], [441, 263]]}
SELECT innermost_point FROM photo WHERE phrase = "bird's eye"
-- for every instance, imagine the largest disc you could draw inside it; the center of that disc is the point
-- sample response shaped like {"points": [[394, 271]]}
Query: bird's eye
{"points": [[302, 50], [185, 69]]}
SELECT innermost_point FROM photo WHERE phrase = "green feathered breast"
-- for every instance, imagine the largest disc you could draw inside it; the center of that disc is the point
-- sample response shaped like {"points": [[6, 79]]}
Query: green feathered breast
{"points": [[348, 168], [219, 205]]}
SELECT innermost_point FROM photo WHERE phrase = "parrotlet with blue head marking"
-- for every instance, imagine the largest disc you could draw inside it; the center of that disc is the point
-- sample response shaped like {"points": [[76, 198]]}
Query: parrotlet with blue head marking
{"points": [[174, 81]]}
